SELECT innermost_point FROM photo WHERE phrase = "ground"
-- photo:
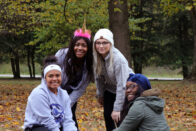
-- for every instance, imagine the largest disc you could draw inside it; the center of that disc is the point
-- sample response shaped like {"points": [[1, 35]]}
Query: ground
{"points": [[180, 109]]}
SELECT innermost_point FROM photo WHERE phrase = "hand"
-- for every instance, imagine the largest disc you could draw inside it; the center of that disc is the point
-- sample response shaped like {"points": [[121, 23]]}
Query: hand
{"points": [[116, 116], [100, 100]]}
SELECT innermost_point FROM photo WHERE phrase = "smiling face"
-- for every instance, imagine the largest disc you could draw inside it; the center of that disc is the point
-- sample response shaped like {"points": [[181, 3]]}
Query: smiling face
{"points": [[53, 80], [102, 47], [131, 90], [80, 48]]}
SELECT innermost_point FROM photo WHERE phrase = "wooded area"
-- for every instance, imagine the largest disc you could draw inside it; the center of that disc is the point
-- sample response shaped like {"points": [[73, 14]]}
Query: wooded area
{"points": [[148, 32]]}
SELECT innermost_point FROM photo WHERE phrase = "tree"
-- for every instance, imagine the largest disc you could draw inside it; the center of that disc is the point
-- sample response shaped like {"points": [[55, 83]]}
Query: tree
{"points": [[144, 23], [193, 12], [178, 43], [60, 19], [16, 19], [172, 7], [118, 23]]}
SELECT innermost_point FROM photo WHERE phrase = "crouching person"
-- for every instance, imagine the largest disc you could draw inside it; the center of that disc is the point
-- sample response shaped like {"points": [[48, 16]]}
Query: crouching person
{"points": [[143, 109], [48, 107]]}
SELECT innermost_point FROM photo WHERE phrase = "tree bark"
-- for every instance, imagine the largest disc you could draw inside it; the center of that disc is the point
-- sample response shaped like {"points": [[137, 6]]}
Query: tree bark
{"points": [[183, 37], [17, 66], [193, 73], [139, 46], [13, 66], [28, 62], [118, 23], [32, 60]]}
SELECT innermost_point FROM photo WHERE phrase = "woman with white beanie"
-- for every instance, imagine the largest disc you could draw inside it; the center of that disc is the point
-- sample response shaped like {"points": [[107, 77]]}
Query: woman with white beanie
{"points": [[111, 71]]}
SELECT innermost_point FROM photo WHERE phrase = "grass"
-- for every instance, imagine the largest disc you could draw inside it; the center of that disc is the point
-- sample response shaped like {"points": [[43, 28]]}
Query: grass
{"points": [[152, 71], [162, 72], [5, 68], [180, 110]]}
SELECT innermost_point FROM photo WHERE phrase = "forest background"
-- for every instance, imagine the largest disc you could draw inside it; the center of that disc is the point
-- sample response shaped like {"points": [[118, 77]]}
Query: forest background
{"points": [[150, 33], [153, 32]]}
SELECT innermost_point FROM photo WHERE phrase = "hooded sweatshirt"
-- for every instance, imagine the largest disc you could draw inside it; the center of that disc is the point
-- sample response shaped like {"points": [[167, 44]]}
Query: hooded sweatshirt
{"points": [[146, 114], [50, 110]]}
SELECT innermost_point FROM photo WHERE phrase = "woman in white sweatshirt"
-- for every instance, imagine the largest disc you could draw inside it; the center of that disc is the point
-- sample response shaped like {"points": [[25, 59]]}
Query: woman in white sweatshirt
{"points": [[48, 107]]}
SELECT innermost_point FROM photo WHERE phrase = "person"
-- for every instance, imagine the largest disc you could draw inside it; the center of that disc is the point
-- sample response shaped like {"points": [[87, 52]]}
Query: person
{"points": [[143, 109], [76, 62], [111, 73], [48, 107]]}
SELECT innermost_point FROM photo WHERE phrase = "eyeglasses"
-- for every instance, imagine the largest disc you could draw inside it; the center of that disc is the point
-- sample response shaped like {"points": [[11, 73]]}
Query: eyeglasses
{"points": [[102, 43], [132, 86]]}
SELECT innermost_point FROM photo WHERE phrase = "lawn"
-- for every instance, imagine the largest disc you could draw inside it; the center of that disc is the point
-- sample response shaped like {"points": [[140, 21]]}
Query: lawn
{"points": [[151, 71], [180, 109]]}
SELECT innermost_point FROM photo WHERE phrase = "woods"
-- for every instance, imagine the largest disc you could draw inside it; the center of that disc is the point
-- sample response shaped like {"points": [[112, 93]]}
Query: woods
{"points": [[158, 32]]}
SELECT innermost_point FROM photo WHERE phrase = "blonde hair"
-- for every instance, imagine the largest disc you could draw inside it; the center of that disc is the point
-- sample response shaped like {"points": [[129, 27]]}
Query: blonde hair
{"points": [[98, 60]]}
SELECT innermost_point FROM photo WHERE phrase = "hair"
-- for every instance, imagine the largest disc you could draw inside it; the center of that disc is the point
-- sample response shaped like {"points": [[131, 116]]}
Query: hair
{"points": [[71, 61], [99, 62], [48, 61], [127, 104]]}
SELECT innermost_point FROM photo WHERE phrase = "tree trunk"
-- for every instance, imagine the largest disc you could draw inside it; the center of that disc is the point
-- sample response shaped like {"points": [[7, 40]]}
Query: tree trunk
{"points": [[32, 60], [137, 64], [138, 45], [17, 66], [193, 73], [13, 66], [183, 37], [28, 61], [118, 23]]}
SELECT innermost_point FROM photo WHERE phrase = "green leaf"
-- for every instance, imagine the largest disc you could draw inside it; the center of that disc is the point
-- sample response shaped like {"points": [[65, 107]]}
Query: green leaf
{"points": [[117, 10]]}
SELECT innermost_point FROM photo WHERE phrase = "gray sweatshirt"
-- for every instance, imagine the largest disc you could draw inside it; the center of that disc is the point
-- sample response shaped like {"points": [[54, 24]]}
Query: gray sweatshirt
{"points": [[79, 90], [114, 80], [146, 114], [46, 108]]}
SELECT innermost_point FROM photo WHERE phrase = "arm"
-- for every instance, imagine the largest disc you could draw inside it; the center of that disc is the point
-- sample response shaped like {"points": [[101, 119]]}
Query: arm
{"points": [[60, 54], [121, 74], [133, 118], [99, 86], [39, 105], [76, 94], [68, 124]]}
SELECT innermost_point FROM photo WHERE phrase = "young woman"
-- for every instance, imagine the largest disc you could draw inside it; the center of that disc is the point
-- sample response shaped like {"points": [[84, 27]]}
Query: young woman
{"points": [[76, 62], [143, 111], [48, 107], [111, 73]]}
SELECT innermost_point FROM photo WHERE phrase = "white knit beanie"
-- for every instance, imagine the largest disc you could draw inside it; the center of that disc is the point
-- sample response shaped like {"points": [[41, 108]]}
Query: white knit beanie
{"points": [[106, 34]]}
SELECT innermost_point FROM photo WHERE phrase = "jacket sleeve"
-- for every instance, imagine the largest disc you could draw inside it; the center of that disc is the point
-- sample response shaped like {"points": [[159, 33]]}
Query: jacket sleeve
{"points": [[76, 94], [121, 73], [133, 118], [68, 124], [60, 54], [39, 105], [100, 86]]}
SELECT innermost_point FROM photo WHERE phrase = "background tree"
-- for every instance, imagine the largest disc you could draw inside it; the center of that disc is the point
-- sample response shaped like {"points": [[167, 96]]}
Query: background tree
{"points": [[178, 43], [144, 22], [15, 21], [173, 7], [118, 23], [60, 19]]}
